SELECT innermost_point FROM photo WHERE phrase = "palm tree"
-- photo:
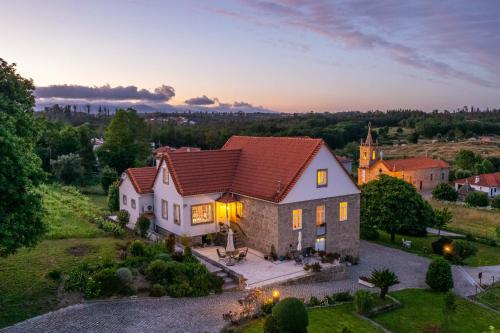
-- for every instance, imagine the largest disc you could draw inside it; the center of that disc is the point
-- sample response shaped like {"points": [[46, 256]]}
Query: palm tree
{"points": [[384, 279]]}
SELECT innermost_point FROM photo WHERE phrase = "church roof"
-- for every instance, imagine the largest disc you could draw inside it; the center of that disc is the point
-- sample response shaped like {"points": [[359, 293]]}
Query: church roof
{"points": [[414, 163]]}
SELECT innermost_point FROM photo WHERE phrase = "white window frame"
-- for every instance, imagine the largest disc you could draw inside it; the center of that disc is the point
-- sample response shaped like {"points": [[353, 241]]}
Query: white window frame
{"points": [[164, 209], [297, 219], [165, 176], [177, 214], [124, 199], [209, 213], [325, 183], [132, 203]]}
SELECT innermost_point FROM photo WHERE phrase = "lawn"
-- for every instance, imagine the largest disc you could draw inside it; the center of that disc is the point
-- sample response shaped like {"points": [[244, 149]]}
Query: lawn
{"points": [[491, 297], [96, 195], [422, 308], [468, 220], [486, 255], [25, 291], [328, 319]]}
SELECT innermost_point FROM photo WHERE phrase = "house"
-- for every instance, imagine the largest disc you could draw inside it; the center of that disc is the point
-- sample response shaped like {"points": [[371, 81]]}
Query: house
{"points": [[136, 192], [422, 172], [269, 189], [486, 182]]}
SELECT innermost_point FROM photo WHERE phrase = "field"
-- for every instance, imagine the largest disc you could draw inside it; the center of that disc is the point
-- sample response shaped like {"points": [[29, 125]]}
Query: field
{"points": [[491, 297], [468, 220], [420, 309], [25, 289], [443, 150]]}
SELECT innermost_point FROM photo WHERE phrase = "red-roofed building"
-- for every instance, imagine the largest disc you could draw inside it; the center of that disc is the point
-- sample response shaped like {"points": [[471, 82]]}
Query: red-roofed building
{"points": [[486, 182], [422, 172], [136, 192], [268, 189]]}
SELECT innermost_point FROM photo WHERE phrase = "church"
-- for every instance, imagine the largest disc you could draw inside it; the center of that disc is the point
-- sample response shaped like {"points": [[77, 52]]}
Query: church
{"points": [[423, 173]]}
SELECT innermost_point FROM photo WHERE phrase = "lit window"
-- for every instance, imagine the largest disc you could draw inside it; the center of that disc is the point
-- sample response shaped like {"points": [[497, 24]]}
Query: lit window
{"points": [[322, 177], [363, 176], [124, 199], [320, 220], [239, 210], [343, 211], [164, 209], [132, 203], [165, 176], [177, 214], [374, 155], [297, 219], [201, 214], [320, 244], [364, 155]]}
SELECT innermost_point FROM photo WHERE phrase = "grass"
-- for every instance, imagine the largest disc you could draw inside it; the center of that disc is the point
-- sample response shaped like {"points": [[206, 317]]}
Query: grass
{"points": [[491, 297], [96, 195], [486, 255], [422, 308], [469, 220], [328, 319], [25, 291]]}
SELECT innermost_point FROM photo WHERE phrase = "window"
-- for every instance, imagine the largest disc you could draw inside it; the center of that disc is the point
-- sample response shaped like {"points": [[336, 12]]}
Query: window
{"points": [[132, 203], [431, 176], [364, 155], [320, 220], [239, 210], [164, 209], [165, 176], [124, 199], [320, 244], [442, 175], [343, 211], [177, 214], [363, 176], [374, 154], [202, 214], [297, 219], [321, 177]]}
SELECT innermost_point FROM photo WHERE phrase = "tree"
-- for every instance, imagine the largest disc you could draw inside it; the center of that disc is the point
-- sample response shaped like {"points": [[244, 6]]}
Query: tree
{"points": [[439, 276], [142, 225], [495, 202], [484, 166], [413, 137], [465, 159], [108, 177], [125, 141], [443, 218], [291, 316], [114, 197], [384, 279], [443, 191], [21, 210], [477, 199], [68, 168], [394, 206], [449, 308]]}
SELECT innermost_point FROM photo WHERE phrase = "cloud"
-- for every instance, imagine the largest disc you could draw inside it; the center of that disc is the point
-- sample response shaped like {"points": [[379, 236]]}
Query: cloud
{"points": [[454, 39], [242, 105], [106, 92], [203, 100]]}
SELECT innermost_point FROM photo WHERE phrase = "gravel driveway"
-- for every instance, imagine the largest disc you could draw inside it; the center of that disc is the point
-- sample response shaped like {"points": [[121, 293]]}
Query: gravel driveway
{"points": [[183, 315]]}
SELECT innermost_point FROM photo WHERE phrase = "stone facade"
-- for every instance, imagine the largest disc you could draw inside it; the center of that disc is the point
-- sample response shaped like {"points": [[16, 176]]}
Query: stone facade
{"points": [[265, 224]]}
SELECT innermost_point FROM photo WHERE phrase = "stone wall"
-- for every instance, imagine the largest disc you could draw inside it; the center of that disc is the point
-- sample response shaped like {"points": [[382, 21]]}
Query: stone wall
{"points": [[341, 236]]}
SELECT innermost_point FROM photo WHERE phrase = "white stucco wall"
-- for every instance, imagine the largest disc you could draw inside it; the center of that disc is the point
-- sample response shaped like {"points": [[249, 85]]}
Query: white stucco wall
{"points": [[339, 183], [199, 229], [488, 190], [126, 188]]}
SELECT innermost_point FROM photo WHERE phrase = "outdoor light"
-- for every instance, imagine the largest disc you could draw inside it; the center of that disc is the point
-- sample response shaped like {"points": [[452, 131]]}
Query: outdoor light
{"points": [[447, 249], [276, 296]]}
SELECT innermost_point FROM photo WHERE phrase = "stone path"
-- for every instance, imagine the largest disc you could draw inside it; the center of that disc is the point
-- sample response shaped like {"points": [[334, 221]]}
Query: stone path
{"points": [[184, 315]]}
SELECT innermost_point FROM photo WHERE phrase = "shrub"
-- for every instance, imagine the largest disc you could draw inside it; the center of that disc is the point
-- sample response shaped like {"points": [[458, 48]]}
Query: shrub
{"points": [[315, 267], [114, 197], [291, 316], [108, 281], [462, 250], [495, 202], [267, 306], [124, 274], [108, 177], [142, 225], [342, 297], [123, 217], [170, 243], [157, 271], [77, 279], [138, 248], [363, 300], [111, 227], [313, 301], [163, 256], [178, 256], [157, 290], [368, 232], [439, 276], [185, 240], [477, 199], [188, 252], [270, 325], [443, 191], [179, 289], [440, 244], [384, 279], [55, 274], [216, 283], [92, 289]]}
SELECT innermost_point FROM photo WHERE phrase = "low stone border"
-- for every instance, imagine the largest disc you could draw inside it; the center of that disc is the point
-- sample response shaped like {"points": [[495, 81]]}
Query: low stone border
{"points": [[332, 273], [238, 278], [374, 323], [384, 308]]}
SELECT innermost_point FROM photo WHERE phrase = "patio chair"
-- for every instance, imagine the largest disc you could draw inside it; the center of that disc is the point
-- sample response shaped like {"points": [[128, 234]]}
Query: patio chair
{"points": [[406, 243], [243, 255], [222, 256]]}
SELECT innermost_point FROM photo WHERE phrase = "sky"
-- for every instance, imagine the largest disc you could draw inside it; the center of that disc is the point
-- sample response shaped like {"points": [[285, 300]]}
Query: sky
{"points": [[283, 55]]}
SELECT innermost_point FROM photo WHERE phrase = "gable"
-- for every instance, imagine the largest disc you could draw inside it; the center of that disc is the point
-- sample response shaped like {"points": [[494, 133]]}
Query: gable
{"points": [[339, 181]]}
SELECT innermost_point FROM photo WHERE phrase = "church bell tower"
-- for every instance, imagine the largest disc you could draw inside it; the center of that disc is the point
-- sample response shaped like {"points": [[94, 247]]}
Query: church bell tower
{"points": [[369, 153]]}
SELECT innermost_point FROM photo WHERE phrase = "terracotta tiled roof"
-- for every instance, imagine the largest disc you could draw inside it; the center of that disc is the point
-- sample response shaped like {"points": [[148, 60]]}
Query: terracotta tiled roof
{"points": [[205, 171], [414, 164], [269, 166], [486, 179], [167, 149], [142, 178]]}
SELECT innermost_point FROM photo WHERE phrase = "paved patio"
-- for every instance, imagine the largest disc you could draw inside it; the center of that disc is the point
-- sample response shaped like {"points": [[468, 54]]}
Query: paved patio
{"points": [[258, 271]]}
